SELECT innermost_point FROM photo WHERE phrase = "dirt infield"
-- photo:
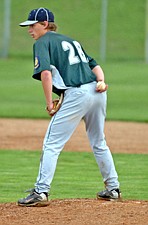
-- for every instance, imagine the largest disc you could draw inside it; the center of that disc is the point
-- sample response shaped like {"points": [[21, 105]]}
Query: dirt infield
{"points": [[76, 212], [121, 137]]}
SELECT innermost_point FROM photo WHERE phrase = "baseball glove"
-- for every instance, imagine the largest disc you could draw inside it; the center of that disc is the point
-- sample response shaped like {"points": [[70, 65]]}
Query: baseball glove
{"points": [[56, 105]]}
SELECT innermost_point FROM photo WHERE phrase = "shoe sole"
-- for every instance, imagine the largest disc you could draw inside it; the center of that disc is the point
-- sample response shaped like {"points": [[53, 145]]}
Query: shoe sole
{"points": [[110, 199], [36, 204]]}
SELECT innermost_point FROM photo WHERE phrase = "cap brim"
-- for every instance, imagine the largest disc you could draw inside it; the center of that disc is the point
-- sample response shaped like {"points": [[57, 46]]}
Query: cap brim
{"points": [[28, 23]]}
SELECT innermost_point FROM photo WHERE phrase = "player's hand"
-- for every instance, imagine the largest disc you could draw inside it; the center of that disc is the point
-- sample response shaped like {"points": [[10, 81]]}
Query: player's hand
{"points": [[105, 89], [55, 105], [49, 108], [101, 87]]}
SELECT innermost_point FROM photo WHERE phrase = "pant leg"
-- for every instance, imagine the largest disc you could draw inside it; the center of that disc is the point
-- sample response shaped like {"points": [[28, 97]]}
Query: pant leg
{"points": [[60, 129], [94, 121]]}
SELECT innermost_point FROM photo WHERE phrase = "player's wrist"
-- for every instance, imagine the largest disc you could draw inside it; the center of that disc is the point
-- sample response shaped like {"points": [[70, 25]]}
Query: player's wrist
{"points": [[49, 107]]}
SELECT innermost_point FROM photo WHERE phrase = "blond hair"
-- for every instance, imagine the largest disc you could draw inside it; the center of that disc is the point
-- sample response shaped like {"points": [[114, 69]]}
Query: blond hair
{"points": [[51, 26]]}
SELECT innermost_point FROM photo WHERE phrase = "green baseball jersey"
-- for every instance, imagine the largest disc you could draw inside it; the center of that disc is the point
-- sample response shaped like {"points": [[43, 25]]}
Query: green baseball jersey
{"points": [[67, 56]]}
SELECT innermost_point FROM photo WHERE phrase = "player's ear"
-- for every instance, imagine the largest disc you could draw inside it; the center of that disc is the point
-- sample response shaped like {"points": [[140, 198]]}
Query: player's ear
{"points": [[45, 24]]}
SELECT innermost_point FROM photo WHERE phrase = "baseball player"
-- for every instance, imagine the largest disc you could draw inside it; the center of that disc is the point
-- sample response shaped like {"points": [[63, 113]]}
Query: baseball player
{"points": [[63, 67]]}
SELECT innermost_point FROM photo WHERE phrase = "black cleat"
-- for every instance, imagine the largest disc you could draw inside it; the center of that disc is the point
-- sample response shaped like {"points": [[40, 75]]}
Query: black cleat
{"points": [[34, 199], [113, 195]]}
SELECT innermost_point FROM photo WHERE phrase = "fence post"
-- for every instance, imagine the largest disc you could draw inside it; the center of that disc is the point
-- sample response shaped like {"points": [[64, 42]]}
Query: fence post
{"points": [[146, 33], [6, 32], [103, 30]]}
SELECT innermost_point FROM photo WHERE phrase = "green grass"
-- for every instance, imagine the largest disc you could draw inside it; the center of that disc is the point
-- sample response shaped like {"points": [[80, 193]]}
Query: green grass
{"points": [[125, 70], [77, 175], [126, 74], [22, 97], [127, 93], [125, 33], [126, 30]]}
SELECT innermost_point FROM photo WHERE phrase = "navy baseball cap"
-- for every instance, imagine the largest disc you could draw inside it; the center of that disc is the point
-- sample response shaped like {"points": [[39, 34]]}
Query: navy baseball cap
{"points": [[38, 15]]}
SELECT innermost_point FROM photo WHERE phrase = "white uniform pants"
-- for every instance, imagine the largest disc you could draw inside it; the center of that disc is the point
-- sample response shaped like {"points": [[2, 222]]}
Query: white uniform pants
{"points": [[82, 102]]}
